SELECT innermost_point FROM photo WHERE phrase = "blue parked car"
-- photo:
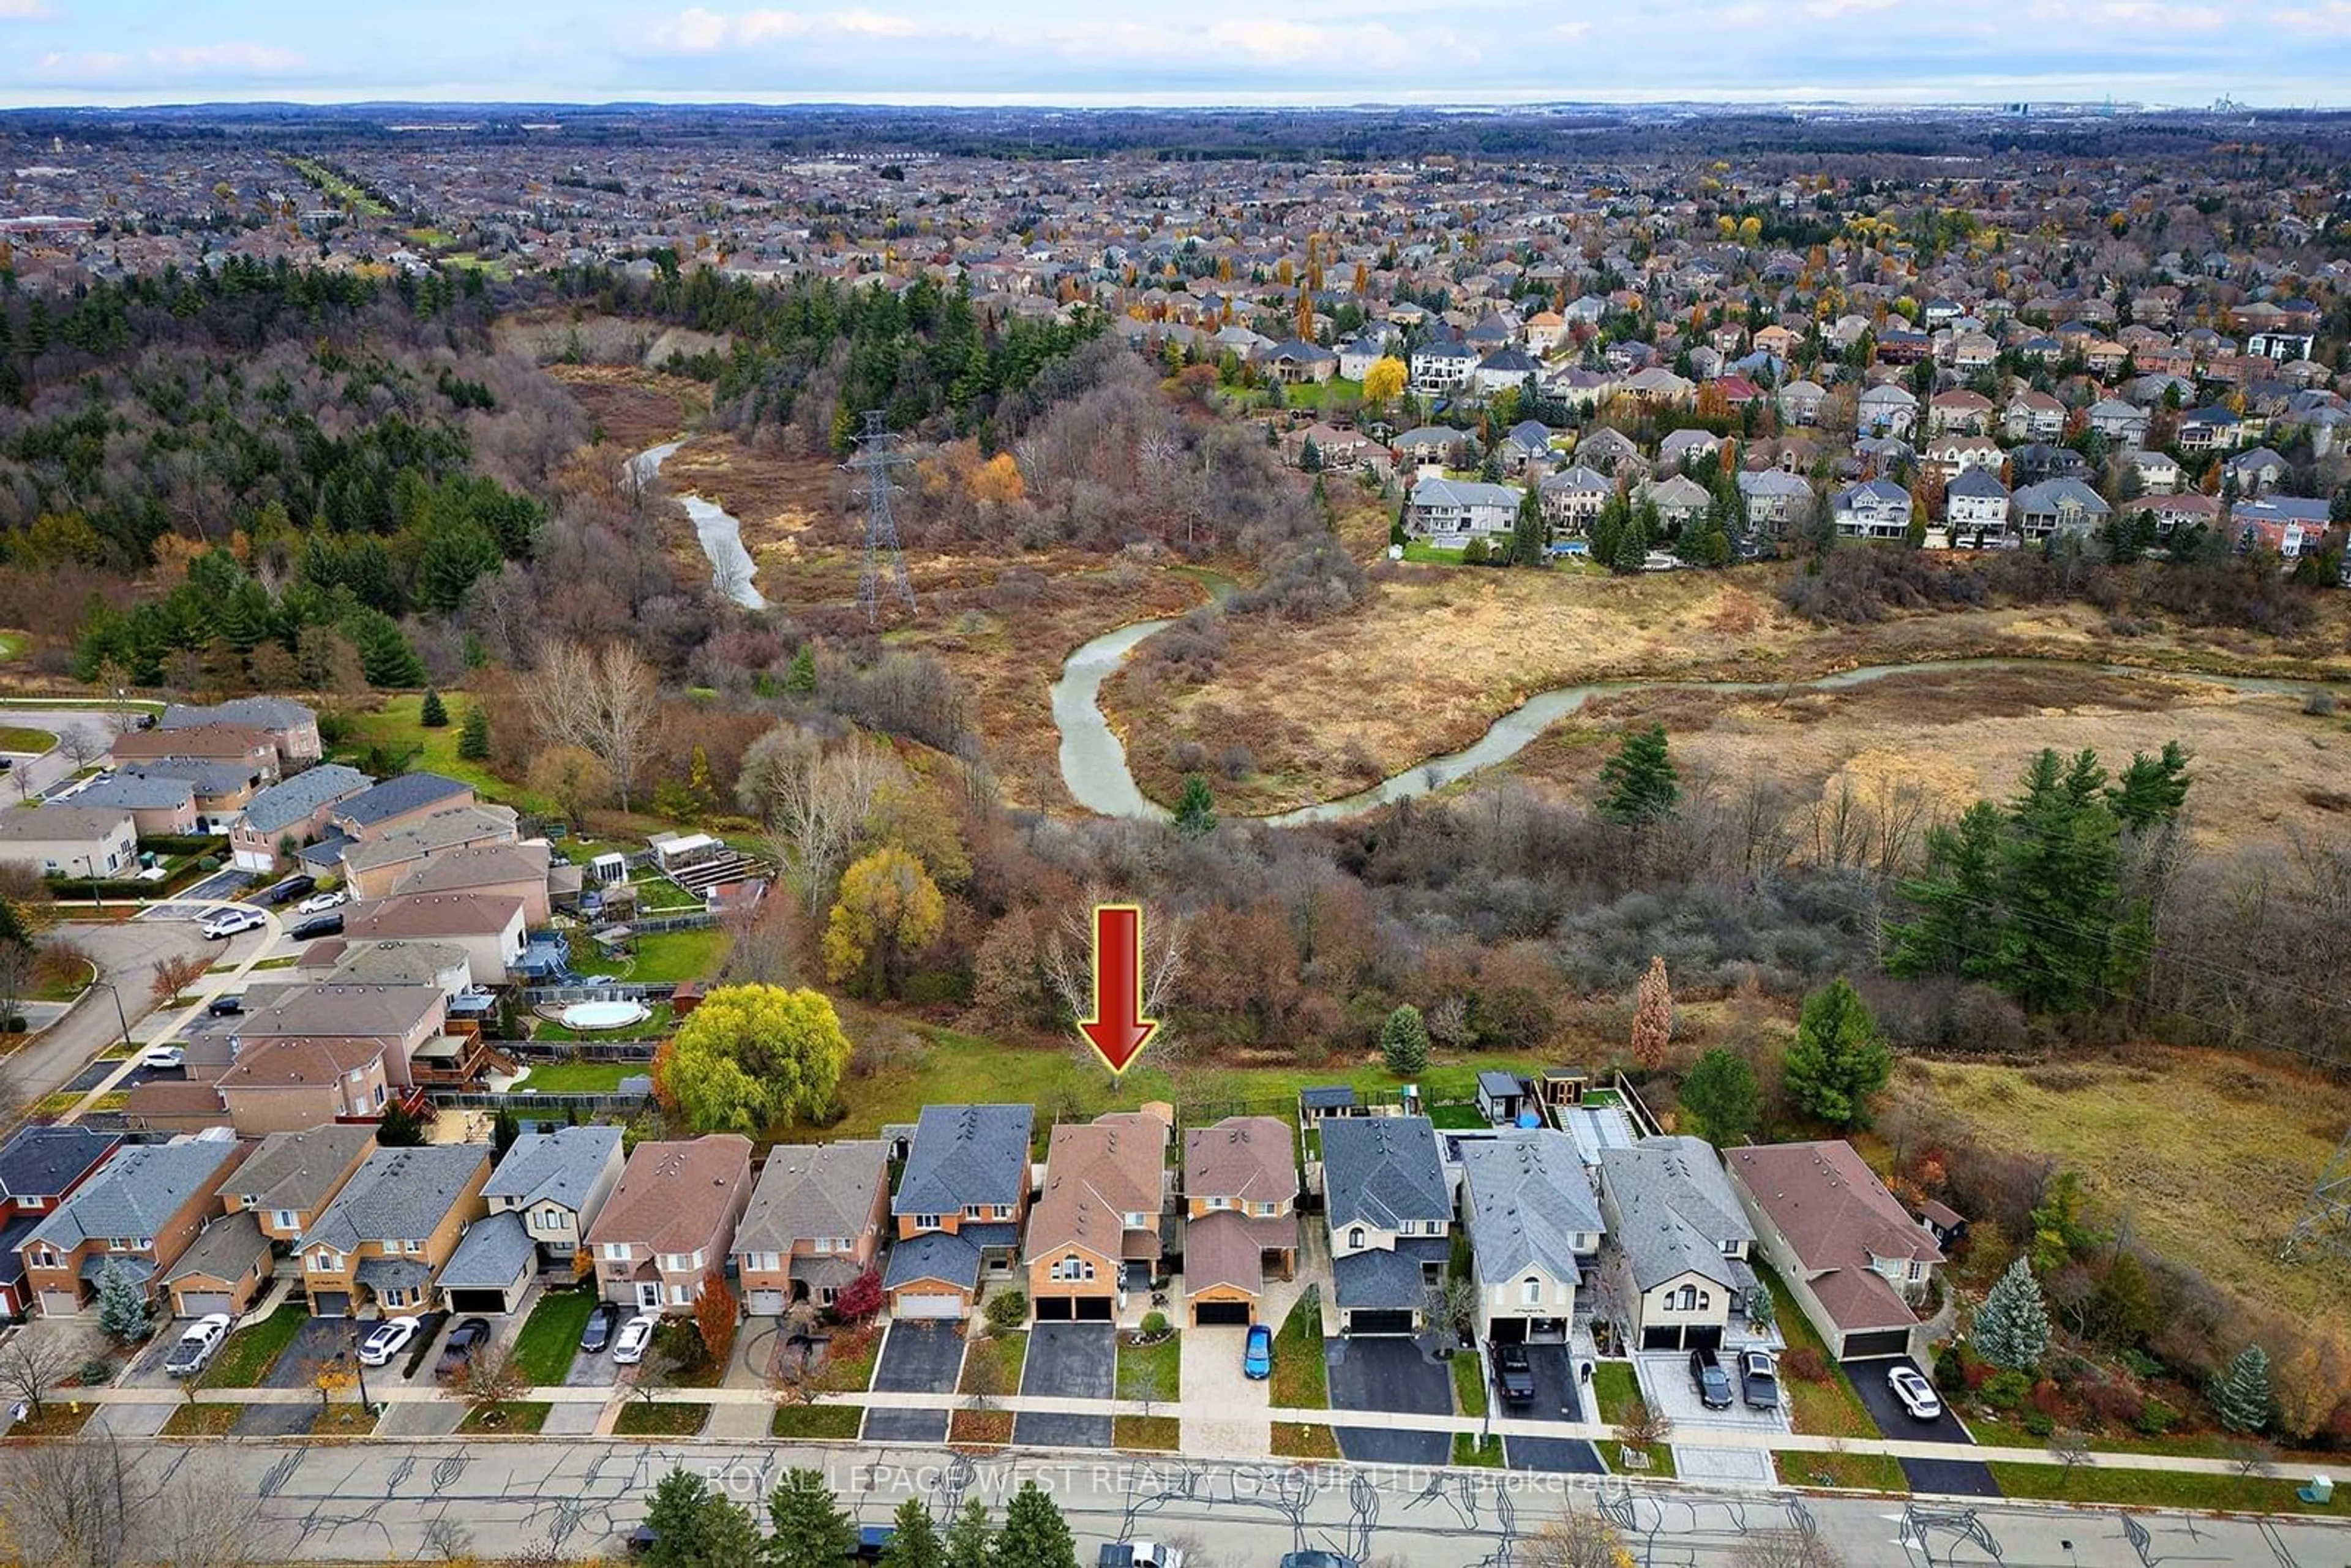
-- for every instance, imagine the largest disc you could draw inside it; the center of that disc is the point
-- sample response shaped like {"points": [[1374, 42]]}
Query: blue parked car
{"points": [[1256, 1360]]}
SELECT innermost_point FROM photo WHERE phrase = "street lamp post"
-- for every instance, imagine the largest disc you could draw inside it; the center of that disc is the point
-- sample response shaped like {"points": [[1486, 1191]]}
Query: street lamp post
{"points": [[358, 1365], [119, 1016]]}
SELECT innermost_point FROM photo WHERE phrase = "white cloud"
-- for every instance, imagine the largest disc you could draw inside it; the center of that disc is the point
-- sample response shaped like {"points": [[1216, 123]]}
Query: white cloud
{"points": [[1832, 8], [874, 23], [1571, 31], [2156, 13], [24, 10], [172, 64], [696, 31]]}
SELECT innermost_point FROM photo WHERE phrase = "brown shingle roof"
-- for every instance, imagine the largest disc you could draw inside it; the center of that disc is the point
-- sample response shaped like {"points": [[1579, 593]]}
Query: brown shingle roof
{"points": [[672, 1195], [1247, 1157], [432, 915], [1836, 1215], [1226, 1248], [299, 1062], [1096, 1172]]}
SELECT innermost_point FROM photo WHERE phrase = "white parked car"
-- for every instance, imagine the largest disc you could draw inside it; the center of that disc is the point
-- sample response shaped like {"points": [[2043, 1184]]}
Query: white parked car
{"points": [[1917, 1394], [163, 1056], [636, 1336], [228, 923], [196, 1349], [386, 1340], [319, 903]]}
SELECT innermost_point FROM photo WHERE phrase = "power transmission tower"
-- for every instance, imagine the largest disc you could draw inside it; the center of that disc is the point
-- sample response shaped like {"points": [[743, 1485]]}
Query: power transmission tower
{"points": [[875, 459], [2326, 1222]]}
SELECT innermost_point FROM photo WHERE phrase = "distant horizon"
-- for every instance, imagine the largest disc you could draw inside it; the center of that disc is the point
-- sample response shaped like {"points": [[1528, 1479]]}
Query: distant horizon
{"points": [[108, 54]]}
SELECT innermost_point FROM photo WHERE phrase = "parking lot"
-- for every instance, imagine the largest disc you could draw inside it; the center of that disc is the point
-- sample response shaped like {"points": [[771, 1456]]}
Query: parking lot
{"points": [[1954, 1477], [1375, 1375], [916, 1358], [1068, 1361], [1558, 1397]]}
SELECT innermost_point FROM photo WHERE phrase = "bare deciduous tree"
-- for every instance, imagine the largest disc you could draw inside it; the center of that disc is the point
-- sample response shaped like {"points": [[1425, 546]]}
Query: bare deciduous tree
{"points": [[1793, 1546], [80, 1503], [82, 743], [627, 705], [1068, 954], [1574, 1540], [31, 1365], [174, 975], [814, 799]]}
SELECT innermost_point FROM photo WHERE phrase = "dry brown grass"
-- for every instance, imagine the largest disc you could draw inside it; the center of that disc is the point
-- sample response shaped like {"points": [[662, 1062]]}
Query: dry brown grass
{"points": [[2209, 1155], [1438, 653], [634, 409]]}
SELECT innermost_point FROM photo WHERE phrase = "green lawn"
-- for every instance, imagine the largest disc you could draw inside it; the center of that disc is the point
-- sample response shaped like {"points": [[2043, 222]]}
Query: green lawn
{"points": [[1469, 1383], [514, 1418], [1615, 1390], [201, 1420], [20, 738], [1301, 1379], [1829, 1409], [1660, 1460], [580, 1077], [955, 1068], [1300, 1441], [1004, 1353], [396, 727], [680, 956], [838, 1422], [549, 1340], [1468, 1450], [2155, 1489], [253, 1349], [1161, 1434], [1459, 1118], [11, 645], [656, 1025], [1151, 1371], [660, 1418], [849, 1360]]}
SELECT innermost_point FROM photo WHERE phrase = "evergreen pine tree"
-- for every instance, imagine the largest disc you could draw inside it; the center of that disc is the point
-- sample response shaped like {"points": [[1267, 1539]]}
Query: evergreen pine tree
{"points": [[913, 1540], [1035, 1535], [1527, 530], [809, 1529], [799, 678], [1404, 1042], [122, 1310], [1720, 1099], [2152, 788], [474, 734], [1639, 783], [398, 1128], [1837, 1060], [970, 1542], [2240, 1396], [504, 1128], [1196, 813], [2012, 1328], [433, 715]]}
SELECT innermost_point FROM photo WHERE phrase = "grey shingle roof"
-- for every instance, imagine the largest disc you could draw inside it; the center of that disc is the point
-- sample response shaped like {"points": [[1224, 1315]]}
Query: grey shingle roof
{"points": [[259, 712], [1383, 1171], [134, 1193], [295, 1170], [1385, 1281], [495, 1254], [134, 793], [226, 1249], [1674, 1209], [282, 805], [933, 1254], [205, 777], [561, 1166], [396, 1195], [964, 1155], [397, 797], [42, 1162], [810, 1190], [381, 1274], [1528, 1197]]}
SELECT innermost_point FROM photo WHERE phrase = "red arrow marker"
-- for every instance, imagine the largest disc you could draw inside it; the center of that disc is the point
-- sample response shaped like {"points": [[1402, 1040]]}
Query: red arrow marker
{"points": [[1118, 1029]]}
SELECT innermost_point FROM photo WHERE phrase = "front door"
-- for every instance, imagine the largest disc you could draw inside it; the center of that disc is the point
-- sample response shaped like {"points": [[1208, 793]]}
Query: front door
{"points": [[649, 1295]]}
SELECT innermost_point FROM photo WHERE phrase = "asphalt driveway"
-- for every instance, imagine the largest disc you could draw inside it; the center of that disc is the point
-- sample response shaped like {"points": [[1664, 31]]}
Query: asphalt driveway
{"points": [[1557, 1398], [1380, 1374], [1068, 1361], [313, 1344], [916, 1358], [1952, 1476]]}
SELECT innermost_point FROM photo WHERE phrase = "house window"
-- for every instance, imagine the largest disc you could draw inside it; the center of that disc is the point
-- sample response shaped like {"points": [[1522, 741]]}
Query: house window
{"points": [[824, 1244], [1215, 1203], [679, 1295], [45, 1259], [1918, 1269], [1530, 1293], [1682, 1301], [616, 1252], [411, 1248], [1355, 1239], [1074, 1268], [1003, 1211], [825, 1295], [285, 1219], [927, 1221], [1268, 1209], [1730, 1247], [378, 1095], [975, 1210]]}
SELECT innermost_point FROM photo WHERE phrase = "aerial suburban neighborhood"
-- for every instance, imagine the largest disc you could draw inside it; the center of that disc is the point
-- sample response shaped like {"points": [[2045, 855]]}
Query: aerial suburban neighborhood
{"points": [[1568, 834]]}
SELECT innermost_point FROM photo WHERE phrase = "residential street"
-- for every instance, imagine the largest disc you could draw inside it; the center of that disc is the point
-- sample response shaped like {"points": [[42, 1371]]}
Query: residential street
{"points": [[127, 952], [375, 1502]]}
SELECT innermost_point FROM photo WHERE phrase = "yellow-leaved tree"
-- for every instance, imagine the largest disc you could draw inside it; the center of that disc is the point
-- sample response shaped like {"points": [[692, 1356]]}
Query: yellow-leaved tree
{"points": [[749, 1057], [1383, 382], [888, 910]]}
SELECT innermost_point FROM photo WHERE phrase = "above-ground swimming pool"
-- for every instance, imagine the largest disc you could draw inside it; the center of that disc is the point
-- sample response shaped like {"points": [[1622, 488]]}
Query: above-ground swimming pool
{"points": [[603, 1014]]}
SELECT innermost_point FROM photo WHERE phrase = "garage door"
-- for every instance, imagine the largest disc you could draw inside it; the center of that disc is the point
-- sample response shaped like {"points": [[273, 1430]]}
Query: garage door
{"points": [[929, 1306], [1055, 1309], [331, 1304], [1703, 1336], [59, 1304], [477, 1301], [1877, 1342], [1666, 1338], [203, 1303], [767, 1303], [1507, 1330], [1379, 1322], [1208, 1313], [1095, 1308]]}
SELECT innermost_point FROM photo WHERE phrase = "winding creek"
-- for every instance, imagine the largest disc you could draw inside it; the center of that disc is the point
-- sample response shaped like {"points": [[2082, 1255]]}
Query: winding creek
{"points": [[732, 569], [1093, 760]]}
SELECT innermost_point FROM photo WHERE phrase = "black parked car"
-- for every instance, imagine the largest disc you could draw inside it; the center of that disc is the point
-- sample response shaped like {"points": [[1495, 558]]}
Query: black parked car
{"points": [[1713, 1383], [296, 886], [226, 1007], [601, 1324], [318, 925], [470, 1335], [1515, 1372]]}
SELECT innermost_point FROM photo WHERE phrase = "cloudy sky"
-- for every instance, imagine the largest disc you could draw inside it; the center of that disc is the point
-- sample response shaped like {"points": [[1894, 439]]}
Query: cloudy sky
{"points": [[2288, 52]]}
